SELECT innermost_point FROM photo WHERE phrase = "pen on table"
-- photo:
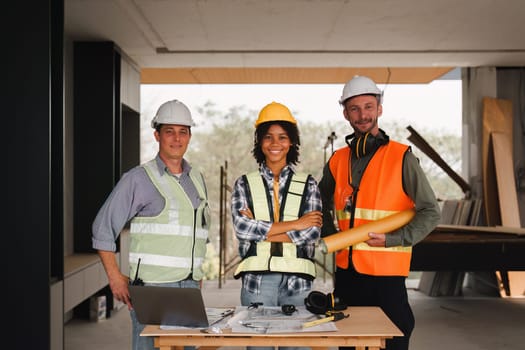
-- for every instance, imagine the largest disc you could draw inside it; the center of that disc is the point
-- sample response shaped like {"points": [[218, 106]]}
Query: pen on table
{"points": [[223, 316]]}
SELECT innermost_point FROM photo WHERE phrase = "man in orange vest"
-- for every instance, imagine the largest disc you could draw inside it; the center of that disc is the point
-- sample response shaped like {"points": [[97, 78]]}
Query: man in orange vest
{"points": [[367, 180]]}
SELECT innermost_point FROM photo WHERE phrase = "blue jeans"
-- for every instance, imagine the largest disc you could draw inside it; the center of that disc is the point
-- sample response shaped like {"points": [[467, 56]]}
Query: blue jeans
{"points": [[273, 292], [146, 343]]}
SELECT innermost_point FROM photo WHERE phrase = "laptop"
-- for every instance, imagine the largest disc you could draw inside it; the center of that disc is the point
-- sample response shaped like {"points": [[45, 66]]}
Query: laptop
{"points": [[169, 306]]}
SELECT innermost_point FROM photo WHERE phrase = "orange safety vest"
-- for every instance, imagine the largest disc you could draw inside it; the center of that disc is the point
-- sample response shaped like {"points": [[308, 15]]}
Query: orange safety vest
{"points": [[380, 194]]}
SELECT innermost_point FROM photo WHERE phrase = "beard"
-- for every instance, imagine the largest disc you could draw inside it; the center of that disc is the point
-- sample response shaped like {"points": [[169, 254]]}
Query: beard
{"points": [[368, 125]]}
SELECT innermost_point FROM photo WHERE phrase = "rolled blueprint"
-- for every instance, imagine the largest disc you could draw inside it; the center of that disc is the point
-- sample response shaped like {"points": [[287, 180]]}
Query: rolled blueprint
{"points": [[359, 234]]}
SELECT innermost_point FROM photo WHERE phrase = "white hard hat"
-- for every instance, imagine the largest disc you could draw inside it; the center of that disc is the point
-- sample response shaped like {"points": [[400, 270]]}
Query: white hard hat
{"points": [[360, 85], [173, 112]]}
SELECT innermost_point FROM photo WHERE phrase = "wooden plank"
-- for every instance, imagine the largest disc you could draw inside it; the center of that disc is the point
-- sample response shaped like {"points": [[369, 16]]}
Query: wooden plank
{"points": [[501, 201], [448, 211], [289, 75], [476, 211], [497, 117], [465, 212], [508, 198], [479, 229], [512, 283], [469, 252], [425, 147]]}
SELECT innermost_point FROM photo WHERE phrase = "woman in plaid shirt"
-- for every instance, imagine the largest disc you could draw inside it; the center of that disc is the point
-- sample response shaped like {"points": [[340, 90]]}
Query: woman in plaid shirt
{"points": [[276, 215]]}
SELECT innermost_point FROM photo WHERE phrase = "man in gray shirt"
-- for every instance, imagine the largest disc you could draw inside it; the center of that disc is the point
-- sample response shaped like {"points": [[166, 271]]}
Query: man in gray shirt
{"points": [[165, 200]]}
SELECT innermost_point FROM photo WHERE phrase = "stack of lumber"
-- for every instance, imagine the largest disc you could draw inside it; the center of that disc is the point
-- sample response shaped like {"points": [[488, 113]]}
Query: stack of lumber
{"points": [[450, 283], [461, 212]]}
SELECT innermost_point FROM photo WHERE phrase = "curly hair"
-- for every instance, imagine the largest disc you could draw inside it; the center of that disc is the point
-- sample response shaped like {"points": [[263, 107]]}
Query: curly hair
{"points": [[291, 130]]}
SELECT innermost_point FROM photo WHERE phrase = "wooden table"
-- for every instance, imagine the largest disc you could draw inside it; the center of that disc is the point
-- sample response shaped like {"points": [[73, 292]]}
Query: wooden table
{"points": [[366, 327]]}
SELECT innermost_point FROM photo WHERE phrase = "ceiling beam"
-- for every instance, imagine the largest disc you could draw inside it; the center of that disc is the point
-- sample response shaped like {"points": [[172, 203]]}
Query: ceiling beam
{"points": [[287, 75]]}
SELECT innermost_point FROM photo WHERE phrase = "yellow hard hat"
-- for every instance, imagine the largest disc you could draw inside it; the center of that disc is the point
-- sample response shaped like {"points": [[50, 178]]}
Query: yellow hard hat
{"points": [[275, 112]]}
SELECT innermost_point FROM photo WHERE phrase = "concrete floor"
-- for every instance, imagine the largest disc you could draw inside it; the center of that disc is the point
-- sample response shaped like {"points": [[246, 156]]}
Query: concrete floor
{"points": [[466, 323]]}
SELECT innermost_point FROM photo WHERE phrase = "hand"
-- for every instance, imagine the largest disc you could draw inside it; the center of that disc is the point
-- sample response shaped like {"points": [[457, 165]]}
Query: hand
{"points": [[119, 288], [246, 212], [376, 239], [310, 219]]}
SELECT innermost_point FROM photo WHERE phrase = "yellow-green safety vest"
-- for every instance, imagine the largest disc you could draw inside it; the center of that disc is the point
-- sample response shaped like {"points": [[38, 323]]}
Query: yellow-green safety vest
{"points": [[172, 245], [284, 257]]}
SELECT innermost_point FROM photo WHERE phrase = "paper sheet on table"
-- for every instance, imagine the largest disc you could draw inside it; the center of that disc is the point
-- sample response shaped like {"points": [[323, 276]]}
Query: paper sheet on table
{"points": [[271, 320], [216, 317]]}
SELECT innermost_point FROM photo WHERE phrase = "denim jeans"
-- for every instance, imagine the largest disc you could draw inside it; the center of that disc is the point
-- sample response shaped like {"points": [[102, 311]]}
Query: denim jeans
{"points": [[146, 343], [273, 292]]}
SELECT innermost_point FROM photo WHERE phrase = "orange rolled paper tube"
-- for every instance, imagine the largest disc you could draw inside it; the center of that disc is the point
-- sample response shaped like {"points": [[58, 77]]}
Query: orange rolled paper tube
{"points": [[346, 238]]}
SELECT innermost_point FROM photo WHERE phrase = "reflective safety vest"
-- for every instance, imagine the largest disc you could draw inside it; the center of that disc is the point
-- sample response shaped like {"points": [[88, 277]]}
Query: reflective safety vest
{"points": [[172, 245], [284, 257], [380, 194]]}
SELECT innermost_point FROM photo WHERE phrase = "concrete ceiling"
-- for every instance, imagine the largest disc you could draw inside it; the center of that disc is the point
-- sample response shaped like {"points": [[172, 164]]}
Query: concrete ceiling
{"points": [[303, 41]]}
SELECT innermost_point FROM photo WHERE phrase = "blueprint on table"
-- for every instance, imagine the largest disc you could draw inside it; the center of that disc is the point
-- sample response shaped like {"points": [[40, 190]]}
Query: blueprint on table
{"points": [[271, 319]]}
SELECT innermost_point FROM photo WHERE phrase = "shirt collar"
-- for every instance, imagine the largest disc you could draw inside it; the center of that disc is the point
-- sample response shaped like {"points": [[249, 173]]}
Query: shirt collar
{"points": [[267, 173], [161, 166]]}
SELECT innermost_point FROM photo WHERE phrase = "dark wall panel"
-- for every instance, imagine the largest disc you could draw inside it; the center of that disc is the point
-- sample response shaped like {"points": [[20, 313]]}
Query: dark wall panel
{"points": [[96, 70], [33, 116]]}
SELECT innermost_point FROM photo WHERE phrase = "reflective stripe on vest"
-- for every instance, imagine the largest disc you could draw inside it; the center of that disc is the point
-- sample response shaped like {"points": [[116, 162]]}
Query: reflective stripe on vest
{"points": [[287, 258], [283, 259], [171, 245], [372, 204]]}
